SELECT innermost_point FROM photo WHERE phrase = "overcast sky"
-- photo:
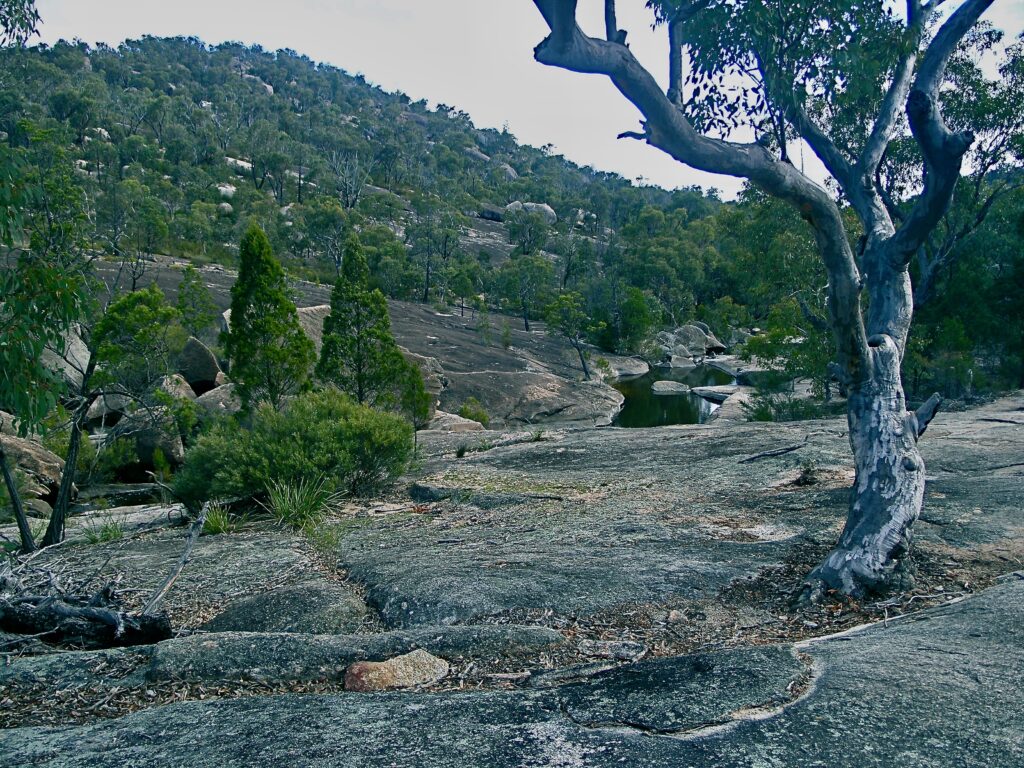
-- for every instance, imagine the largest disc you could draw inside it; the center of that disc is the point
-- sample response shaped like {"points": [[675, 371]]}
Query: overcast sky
{"points": [[476, 55]]}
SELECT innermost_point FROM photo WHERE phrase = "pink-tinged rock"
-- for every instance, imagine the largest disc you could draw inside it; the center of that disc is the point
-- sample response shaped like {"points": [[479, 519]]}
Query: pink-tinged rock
{"points": [[410, 670]]}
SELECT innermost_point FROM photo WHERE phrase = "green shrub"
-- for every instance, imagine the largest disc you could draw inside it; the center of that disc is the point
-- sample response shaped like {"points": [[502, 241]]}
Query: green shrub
{"points": [[472, 409], [220, 520], [319, 434], [111, 459], [108, 529], [302, 504], [775, 406]]}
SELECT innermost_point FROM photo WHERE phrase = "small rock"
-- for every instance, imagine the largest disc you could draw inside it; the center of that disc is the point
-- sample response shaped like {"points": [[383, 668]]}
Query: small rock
{"points": [[410, 670], [669, 388], [613, 649], [674, 616], [717, 394], [811, 624]]}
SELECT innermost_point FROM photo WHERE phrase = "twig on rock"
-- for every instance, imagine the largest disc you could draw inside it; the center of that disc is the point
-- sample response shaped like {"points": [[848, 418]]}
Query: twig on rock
{"points": [[186, 555], [775, 452]]}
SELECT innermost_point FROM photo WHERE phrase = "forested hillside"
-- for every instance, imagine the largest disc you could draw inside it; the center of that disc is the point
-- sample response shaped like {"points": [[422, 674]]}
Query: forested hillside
{"points": [[175, 146]]}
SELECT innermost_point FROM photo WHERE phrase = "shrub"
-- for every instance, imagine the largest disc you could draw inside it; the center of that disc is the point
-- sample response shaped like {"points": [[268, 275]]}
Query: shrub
{"points": [[302, 504], [320, 434], [472, 409], [109, 529], [219, 520], [111, 459], [775, 406]]}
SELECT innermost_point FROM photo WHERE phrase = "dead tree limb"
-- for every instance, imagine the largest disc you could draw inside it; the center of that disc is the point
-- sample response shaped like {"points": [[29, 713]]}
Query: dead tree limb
{"points": [[186, 556]]}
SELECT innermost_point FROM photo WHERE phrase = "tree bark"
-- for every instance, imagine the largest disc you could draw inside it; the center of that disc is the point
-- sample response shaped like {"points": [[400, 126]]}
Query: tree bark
{"points": [[55, 529], [28, 544], [583, 361], [872, 554]]}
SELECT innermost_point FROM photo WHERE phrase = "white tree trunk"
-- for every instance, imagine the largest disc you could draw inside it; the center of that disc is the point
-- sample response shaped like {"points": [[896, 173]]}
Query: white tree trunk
{"points": [[873, 552]]}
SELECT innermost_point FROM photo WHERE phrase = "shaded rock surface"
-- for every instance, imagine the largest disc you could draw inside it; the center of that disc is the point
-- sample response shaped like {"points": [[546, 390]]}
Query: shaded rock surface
{"points": [[528, 397], [199, 366], [951, 695], [315, 607]]}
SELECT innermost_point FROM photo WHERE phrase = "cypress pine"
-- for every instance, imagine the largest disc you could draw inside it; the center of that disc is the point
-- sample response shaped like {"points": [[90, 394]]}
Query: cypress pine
{"points": [[269, 354]]}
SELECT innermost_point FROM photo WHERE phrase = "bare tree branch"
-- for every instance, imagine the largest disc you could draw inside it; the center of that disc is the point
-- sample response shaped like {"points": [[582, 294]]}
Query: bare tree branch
{"points": [[675, 62], [943, 150], [895, 97]]}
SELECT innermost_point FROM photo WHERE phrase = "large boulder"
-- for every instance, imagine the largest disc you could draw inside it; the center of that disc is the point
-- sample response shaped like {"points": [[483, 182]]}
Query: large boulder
{"points": [[692, 338], [622, 367], [491, 213], [717, 394], [42, 466], [734, 408], [698, 340], [508, 171], [177, 387], [71, 364], [199, 366], [476, 154], [533, 397], [108, 409], [669, 388], [450, 422], [153, 429], [7, 424], [543, 209], [221, 401]]}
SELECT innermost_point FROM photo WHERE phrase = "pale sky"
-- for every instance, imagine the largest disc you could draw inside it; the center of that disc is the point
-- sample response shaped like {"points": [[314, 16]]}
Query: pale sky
{"points": [[475, 55]]}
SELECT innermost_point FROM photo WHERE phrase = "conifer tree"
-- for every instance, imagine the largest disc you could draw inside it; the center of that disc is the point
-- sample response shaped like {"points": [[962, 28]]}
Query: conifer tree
{"points": [[269, 353], [195, 303], [359, 354]]}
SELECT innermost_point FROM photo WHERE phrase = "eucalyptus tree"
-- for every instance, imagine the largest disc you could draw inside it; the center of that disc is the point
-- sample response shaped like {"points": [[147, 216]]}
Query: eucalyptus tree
{"points": [[846, 77]]}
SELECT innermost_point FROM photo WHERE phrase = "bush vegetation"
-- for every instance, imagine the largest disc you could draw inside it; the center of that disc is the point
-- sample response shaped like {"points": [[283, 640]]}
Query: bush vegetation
{"points": [[472, 409], [318, 435]]}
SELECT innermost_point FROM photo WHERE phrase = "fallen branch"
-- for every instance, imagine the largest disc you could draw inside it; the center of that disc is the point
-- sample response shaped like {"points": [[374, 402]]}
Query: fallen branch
{"points": [[775, 452], [62, 620], [186, 555]]}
